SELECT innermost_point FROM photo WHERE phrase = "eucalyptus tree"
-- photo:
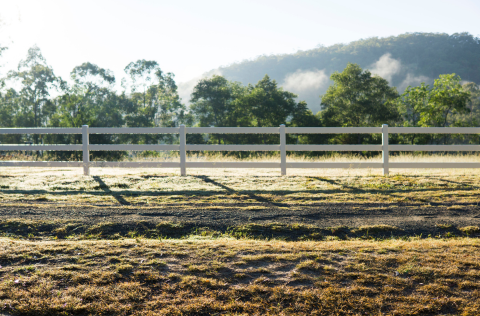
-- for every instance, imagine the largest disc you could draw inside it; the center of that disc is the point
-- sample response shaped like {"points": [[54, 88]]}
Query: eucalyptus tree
{"points": [[473, 105], [268, 105], [154, 95], [214, 102], [37, 81], [11, 115], [441, 105], [357, 98], [446, 99], [84, 101], [151, 99], [142, 75], [90, 100]]}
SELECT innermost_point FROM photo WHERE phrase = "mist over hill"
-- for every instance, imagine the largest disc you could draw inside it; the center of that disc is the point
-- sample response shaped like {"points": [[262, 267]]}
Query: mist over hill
{"points": [[403, 60]]}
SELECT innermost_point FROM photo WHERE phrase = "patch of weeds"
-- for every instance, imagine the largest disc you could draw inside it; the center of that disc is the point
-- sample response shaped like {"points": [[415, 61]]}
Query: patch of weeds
{"points": [[156, 263], [124, 268], [60, 232], [239, 275], [312, 236], [209, 269], [470, 230], [376, 230], [444, 226], [104, 230], [42, 198], [332, 238], [114, 260], [261, 270], [172, 230], [340, 230], [174, 276], [366, 250], [179, 253], [309, 265], [328, 269], [72, 267], [276, 231], [207, 232]]}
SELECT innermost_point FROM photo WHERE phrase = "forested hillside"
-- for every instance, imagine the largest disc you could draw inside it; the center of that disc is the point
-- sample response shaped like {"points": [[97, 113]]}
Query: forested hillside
{"points": [[403, 60]]}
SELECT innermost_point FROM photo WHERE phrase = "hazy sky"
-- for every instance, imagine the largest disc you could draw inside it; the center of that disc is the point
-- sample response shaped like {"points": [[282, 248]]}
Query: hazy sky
{"points": [[189, 38]]}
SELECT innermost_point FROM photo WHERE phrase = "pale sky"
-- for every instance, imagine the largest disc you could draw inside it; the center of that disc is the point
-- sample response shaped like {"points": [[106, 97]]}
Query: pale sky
{"points": [[189, 38]]}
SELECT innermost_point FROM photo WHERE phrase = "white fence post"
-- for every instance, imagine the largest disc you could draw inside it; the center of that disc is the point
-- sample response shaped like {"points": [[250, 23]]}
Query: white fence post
{"points": [[86, 151], [183, 151], [385, 149], [283, 151]]}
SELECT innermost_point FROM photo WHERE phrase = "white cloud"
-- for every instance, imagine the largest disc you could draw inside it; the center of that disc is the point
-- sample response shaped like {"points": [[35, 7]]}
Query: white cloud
{"points": [[305, 80], [386, 67], [412, 80]]}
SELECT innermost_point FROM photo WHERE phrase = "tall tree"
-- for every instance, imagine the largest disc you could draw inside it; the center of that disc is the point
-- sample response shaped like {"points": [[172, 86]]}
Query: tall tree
{"points": [[269, 104], [446, 98], [444, 104], [213, 104], [142, 74], [82, 103], [91, 101], [37, 80], [154, 95], [212, 100], [357, 98], [473, 105]]}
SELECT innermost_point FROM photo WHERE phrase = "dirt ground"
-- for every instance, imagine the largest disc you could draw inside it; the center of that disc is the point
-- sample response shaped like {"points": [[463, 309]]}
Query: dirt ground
{"points": [[417, 202]]}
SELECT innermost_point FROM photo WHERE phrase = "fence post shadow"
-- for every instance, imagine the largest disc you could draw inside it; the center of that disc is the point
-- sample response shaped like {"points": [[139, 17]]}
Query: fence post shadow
{"points": [[231, 191], [106, 189]]}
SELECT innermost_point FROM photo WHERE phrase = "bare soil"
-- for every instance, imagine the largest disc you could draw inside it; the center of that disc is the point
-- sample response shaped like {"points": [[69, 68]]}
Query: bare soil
{"points": [[412, 219]]}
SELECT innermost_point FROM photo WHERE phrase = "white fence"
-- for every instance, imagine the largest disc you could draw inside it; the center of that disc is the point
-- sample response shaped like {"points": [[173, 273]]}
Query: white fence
{"points": [[385, 148]]}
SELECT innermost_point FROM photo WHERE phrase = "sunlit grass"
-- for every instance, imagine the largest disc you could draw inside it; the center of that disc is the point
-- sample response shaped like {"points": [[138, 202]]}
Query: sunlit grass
{"points": [[192, 276]]}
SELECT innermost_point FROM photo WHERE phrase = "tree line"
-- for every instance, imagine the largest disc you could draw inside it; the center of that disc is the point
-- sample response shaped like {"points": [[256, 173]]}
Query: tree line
{"points": [[33, 96]]}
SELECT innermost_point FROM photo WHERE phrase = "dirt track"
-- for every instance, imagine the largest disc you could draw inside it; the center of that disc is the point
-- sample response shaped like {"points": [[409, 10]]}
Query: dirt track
{"points": [[415, 204], [412, 218]]}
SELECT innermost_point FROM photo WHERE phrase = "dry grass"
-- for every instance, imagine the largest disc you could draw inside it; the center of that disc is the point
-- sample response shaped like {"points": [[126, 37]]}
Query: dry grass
{"points": [[69, 268], [240, 277], [150, 187]]}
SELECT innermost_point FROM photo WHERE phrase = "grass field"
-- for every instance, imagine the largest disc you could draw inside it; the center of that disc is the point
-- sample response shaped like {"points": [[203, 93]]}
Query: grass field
{"points": [[198, 276], [239, 242]]}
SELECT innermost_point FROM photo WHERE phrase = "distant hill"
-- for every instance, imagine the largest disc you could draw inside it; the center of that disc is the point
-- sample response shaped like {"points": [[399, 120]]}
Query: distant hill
{"points": [[403, 60]]}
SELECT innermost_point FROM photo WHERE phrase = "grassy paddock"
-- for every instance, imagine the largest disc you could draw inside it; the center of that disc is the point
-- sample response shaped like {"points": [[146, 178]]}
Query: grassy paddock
{"points": [[201, 276], [98, 267]]}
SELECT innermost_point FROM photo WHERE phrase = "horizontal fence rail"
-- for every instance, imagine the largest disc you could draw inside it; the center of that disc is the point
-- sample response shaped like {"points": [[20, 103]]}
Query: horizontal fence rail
{"points": [[182, 131]]}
